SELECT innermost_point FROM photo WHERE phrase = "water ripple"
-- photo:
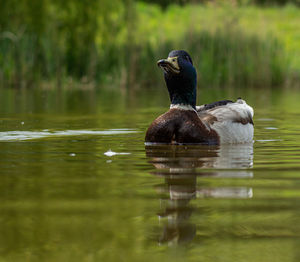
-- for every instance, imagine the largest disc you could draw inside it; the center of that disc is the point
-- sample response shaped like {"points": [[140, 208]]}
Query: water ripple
{"points": [[29, 135]]}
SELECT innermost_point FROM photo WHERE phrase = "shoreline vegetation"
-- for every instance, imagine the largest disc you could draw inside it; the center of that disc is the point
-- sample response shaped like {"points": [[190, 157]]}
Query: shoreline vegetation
{"points": [[117, 43]]}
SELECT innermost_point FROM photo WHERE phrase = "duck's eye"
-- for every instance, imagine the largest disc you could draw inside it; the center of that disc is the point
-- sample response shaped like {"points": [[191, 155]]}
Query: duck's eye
{"points": [[173, 59]]}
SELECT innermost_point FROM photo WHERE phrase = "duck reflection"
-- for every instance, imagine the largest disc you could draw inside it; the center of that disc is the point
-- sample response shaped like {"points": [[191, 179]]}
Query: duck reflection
{"points": [[181, 166]]}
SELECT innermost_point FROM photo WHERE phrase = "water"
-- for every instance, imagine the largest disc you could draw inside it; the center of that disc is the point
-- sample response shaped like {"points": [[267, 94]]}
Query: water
{"points": [[78, 183]]}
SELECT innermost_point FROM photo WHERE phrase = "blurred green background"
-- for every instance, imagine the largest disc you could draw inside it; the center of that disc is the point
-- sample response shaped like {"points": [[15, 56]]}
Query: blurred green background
{"points": [[54, 43]]}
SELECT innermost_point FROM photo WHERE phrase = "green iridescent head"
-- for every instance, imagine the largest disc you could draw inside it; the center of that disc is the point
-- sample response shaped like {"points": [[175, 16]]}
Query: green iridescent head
{"points": [[181, 77]]}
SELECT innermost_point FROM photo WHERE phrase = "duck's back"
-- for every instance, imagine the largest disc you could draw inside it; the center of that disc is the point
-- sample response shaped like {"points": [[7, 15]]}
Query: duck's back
{"points": [[232, 122]]}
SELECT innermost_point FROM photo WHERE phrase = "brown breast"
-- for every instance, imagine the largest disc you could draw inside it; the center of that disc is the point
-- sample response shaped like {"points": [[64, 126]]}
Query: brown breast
{"points": [[180, 126]]}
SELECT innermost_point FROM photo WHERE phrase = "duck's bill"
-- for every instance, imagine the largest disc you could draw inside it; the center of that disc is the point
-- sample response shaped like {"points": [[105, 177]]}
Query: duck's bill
{"points": [[168, 66]]}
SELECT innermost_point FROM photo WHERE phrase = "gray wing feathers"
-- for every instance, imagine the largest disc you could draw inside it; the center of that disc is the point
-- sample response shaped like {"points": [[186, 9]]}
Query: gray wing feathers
{"points": [[238, 112]]}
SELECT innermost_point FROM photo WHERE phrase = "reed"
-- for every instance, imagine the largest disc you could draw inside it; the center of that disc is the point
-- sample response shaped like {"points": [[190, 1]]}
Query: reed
{"points": [[222, 58], [229, 52]]}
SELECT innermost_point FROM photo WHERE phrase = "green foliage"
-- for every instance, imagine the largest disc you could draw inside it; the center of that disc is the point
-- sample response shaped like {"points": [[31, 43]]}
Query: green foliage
{"points": [[237, 59], [278, 2], [119, 41], [221, 58], [166, 3], [52, 39], [224, 52]]}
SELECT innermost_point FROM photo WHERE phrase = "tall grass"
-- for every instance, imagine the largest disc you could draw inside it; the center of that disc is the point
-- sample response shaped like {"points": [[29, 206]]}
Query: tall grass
{"points": [[221, 58], [226, 48], [233, 58]]}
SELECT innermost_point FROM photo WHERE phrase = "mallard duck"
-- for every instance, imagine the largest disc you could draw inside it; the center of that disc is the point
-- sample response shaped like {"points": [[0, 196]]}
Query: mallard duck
{"points": [[220, 122]]}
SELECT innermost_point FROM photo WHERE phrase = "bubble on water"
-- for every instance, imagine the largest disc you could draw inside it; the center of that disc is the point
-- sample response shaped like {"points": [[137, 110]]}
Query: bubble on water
{"points": [[72, 154], [110, 153]]}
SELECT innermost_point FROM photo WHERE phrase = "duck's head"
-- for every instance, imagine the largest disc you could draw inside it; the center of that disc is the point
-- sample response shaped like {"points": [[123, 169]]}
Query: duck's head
{"points": [[181, 78]]}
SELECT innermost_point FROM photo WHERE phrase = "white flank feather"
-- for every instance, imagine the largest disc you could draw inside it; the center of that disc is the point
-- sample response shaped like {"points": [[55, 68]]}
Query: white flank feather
{"points": [[228, 129]]}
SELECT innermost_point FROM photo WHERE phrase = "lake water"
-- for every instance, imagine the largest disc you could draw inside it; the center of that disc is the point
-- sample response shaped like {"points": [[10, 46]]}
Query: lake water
{"points": [[78, 184]]}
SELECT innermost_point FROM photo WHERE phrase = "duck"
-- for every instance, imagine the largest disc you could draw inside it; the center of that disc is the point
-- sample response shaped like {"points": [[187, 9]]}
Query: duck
{"points": [[220, 122]]}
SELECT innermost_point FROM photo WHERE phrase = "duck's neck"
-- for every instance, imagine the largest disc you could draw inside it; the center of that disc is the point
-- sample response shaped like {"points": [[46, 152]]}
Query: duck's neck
{"points": [[182, 94]]}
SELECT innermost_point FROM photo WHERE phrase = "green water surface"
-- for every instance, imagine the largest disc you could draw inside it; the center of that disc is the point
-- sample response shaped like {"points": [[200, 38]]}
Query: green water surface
{"points": [[77, 182]]}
